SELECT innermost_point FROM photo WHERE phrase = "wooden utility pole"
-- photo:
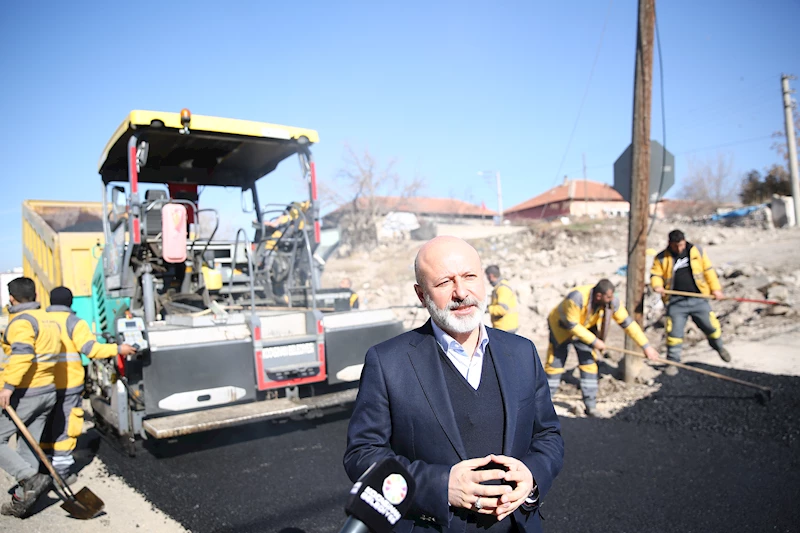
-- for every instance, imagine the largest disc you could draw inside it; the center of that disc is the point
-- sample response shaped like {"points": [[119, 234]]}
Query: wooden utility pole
{"points": [[640, 176]]}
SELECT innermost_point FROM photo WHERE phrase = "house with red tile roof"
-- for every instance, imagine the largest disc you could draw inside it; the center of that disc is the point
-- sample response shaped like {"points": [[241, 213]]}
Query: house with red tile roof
{"points": [[432, 209], [572, 198]]}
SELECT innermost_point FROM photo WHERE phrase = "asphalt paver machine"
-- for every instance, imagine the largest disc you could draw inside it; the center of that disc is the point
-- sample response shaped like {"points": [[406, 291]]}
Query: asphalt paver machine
{"points": [[229, 331]]}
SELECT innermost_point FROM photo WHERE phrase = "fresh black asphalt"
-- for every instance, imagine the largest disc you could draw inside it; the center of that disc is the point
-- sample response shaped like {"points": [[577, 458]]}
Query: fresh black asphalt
{"points": [[699, 455]]}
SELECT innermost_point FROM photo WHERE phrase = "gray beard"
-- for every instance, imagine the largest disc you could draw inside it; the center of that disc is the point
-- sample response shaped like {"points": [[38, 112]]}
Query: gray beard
{"points": [[450, 323]]}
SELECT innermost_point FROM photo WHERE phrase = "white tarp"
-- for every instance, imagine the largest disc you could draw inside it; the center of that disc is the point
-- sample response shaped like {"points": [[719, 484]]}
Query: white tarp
{"points": [[397, 224]]}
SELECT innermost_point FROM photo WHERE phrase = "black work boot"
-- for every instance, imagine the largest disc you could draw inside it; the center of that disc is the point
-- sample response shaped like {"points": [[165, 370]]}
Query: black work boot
{"points": [[35, 486], [32, 488], [724, 354], [15, 507]]}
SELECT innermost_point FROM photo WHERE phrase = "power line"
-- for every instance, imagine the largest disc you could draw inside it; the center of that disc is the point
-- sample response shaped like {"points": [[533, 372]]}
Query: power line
{"points": [[693, 150], [663, 123], [728, 117], [583, 100], [723, 145], [716, 105], [585, 92]]}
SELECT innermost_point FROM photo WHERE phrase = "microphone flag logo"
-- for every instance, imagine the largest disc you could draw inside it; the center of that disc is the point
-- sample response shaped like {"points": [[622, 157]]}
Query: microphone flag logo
{"points": [[395, 488]]}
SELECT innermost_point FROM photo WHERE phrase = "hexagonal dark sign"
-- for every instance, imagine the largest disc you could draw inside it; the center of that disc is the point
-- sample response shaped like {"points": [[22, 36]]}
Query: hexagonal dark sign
{"points": [[659, 159]]}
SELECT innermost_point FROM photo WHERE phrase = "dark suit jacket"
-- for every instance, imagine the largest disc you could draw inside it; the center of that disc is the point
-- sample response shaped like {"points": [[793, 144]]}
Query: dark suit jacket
{"points": [[403, 410]]}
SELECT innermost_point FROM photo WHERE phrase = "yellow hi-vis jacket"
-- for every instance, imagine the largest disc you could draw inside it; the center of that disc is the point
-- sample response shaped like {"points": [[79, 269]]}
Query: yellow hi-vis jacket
{"points": [[76, 339], [503, 309], [31, 343], [705, 277], [574, 316], [282, 222]]}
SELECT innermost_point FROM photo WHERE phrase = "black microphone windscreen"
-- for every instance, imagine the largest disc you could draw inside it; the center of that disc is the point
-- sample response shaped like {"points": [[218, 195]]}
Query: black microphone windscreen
{"points": [[381, 496]]}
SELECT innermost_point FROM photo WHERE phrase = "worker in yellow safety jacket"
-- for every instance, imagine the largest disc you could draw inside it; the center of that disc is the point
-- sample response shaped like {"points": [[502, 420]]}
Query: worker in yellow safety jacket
{"points": [[580, 320], [283, 223], [283, 228], [31, 344], [503, 307], [354, 300], [684, 267], [65, 423]]}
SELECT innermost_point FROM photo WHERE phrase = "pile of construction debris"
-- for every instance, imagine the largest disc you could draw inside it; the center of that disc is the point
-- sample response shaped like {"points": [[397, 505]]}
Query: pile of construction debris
{"points": [[778, 213], [542, 263]]}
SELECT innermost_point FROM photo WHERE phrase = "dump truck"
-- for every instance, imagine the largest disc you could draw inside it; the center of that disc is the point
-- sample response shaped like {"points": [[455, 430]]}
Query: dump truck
{"points": [[62, 243], [227, 331]]}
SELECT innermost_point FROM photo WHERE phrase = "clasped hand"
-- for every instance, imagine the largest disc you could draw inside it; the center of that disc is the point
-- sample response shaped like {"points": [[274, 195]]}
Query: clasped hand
{"points": [[465, 489]]}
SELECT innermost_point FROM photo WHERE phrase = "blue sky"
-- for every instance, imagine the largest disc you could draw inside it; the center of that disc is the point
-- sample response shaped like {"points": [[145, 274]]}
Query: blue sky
{"points": [[446, 88]]}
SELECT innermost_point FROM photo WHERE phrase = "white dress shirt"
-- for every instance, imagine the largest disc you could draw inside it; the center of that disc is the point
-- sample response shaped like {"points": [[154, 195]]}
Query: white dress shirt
{"points": [[470, 366]]}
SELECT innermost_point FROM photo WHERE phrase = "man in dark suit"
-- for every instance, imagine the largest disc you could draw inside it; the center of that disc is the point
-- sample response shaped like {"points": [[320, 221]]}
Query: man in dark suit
{"points": [[464, 407]]}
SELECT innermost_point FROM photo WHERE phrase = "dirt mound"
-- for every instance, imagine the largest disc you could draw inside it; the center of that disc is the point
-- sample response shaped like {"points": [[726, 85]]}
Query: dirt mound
{"points": [[543, 262]]}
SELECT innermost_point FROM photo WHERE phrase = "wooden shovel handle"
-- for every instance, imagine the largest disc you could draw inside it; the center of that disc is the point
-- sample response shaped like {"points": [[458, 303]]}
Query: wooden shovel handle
{"points": [[36, 448], [694, 369], [689, 294], [711, 297]]}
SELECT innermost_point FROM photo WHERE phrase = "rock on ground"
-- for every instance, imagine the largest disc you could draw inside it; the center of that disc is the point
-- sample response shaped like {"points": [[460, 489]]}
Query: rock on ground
{"points": [[544, 261]]}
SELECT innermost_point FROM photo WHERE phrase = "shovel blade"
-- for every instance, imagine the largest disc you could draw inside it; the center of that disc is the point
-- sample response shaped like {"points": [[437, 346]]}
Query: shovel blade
{"points": [[85, 506]]}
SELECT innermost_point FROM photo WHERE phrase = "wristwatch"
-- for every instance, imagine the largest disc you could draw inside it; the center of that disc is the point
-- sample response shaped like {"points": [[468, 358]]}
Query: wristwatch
{"points": [[532, 501]]}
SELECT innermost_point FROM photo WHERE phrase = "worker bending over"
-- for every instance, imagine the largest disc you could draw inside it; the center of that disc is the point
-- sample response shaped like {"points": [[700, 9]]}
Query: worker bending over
{"points": [[682, 266], [503, 308], [31, 344], [581, 320], [65, 423]]}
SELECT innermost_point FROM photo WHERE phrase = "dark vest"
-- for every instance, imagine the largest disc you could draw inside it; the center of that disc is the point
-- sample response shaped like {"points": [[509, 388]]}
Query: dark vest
{"points": [[481, 422]]}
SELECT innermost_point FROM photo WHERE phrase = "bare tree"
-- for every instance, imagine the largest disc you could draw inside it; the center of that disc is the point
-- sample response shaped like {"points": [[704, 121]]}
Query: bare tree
{"points": [[362, 192], [710, 180]]}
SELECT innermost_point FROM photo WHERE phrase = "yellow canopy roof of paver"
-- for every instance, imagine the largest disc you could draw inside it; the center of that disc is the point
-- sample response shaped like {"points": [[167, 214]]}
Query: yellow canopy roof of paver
{"points": [[216, 151]]}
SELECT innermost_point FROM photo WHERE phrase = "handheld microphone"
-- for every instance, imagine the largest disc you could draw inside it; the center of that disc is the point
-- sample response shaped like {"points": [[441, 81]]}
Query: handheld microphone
{"points": [[379, 499]]}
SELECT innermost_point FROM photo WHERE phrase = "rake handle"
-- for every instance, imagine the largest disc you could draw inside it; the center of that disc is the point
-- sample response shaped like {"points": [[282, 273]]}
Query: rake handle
{"points": [[689, 294], [39, 452], [710, 297], [694, 369]]}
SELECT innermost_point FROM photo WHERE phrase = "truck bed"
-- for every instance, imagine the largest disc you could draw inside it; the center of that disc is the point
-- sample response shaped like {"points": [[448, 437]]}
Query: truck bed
{"points": [[61, 246]]}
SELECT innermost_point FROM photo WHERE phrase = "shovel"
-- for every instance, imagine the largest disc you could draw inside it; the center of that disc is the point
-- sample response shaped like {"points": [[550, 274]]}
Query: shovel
{"points": [[764, 394], [711, 297], [83, 505]]}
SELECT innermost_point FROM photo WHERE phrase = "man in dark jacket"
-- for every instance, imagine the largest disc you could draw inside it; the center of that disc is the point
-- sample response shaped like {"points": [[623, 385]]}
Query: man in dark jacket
{"points": [[464, 407]]}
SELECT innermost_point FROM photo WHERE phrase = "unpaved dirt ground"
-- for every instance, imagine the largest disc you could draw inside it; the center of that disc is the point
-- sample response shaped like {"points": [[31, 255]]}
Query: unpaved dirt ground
{"points": [[543, 262], [126, 510]]}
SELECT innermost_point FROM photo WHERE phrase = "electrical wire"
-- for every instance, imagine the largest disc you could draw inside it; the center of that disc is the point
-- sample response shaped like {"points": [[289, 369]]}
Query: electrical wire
{"points": [[720, 103], [723, 145], [585, 91], [632, 242], [693, 150], [737, 116], [663, 124], [583, 99]]}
